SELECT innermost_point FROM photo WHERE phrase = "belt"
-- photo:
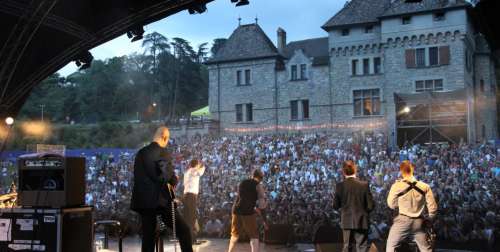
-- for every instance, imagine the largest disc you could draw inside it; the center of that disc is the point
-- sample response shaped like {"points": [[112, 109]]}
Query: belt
{"points": [[418, 217]]}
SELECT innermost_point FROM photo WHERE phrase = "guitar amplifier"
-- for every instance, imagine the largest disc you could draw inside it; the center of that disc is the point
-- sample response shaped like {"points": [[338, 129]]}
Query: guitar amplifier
{"points": [[51, 181], [49, 230]]}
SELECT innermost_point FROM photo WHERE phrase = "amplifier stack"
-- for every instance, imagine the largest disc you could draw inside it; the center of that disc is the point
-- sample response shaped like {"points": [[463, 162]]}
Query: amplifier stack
{"points": [[52, 215]]}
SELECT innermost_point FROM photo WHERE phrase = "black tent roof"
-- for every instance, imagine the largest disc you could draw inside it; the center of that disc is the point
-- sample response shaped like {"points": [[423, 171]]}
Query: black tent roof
{"points": [[40, 36]]}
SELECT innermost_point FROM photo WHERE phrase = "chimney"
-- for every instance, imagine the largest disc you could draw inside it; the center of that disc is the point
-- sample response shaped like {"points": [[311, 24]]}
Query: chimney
{"points": [[281, 40]]}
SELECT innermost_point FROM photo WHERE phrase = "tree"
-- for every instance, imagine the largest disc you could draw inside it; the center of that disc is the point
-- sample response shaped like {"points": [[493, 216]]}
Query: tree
{"points": [[201, 54], [216, 45], [155, 43], [124, 88]]}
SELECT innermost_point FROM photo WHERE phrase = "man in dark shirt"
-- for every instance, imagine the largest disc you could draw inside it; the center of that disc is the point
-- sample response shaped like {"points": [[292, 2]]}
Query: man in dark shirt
{"points": [[152, 193], [245, 209], [355, 201]]}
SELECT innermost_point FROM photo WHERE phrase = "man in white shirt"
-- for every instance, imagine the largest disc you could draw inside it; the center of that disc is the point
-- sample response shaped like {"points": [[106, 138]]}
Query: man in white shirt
{"points": [[191, 190]]}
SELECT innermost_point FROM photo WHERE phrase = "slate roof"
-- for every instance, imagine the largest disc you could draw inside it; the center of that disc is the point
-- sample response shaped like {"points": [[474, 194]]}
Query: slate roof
{"points": [[247, 42], [316, 48], [399, 7], [370, 11], [358, 12]]}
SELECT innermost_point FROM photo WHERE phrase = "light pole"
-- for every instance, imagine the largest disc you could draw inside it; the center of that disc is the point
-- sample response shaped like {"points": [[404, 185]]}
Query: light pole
{"points": [[9, 121], [42, 106]]}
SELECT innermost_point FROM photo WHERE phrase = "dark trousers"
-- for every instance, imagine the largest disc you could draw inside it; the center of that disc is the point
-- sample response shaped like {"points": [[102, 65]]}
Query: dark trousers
{"points": [[148, 218], [358, 237], [189, 212]]}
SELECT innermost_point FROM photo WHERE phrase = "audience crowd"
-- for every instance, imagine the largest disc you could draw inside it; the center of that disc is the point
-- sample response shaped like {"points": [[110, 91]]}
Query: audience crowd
{"points": [[300, 175]]}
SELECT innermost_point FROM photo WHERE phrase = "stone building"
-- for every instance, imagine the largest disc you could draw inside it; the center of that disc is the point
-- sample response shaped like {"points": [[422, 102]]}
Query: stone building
{"points": [[417, 71]]}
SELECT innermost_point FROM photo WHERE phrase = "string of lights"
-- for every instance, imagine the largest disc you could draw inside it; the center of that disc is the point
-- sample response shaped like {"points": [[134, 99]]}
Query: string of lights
{"points": [[339, 125]]}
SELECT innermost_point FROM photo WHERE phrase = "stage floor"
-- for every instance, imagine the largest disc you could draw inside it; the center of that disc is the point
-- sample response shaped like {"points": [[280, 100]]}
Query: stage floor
{"points": [[133, 244]]}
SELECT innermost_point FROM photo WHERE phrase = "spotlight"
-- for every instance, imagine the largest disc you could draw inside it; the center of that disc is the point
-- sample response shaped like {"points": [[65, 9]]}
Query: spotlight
{"points": [[9, 121], [84, 60], [135, 33], [197, 8], [242, 2], [406, 110]]}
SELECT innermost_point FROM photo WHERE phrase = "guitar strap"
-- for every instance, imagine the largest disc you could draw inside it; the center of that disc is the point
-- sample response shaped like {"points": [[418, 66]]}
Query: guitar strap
{"points": [[411, 186]]}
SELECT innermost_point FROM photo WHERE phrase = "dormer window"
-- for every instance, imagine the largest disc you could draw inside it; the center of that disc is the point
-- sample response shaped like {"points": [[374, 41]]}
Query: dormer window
{"points": [[303, 68], [369, 29], [345, 32], [439, 16], [293, 72], [406, 20]]}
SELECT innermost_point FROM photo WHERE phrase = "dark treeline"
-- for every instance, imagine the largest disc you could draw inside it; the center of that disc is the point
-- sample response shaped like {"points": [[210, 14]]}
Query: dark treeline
{"points": [[168, 80]]}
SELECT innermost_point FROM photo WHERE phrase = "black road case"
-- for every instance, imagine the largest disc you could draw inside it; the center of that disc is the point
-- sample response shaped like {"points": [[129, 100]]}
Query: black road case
{"points": [[49, 230]]}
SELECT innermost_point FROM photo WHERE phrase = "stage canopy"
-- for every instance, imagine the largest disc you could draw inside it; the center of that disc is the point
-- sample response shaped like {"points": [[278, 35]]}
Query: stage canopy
{"points": [[41, 36]]}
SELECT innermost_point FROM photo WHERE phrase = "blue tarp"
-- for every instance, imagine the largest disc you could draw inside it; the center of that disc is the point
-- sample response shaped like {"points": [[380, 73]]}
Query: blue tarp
{"points": [[12, 155]]}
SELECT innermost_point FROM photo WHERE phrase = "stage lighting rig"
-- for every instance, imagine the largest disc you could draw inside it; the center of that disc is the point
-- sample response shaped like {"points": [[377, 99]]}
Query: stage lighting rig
{"points": [[197, 8], [242, 3], [135, 33], [84, 60], [413, 1]]}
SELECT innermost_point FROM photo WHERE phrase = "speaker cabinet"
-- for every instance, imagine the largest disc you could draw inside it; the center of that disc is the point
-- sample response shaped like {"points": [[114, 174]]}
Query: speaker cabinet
{"points": [[279, 234], [51, 181]]}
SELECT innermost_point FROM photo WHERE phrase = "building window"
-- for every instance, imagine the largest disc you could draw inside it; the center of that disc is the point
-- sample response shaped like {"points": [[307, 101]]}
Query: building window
{"points": [[247, 77], [366, 66], [354, 66], [345, 32], [439, 16], [238, 77], [433, 56], [294, 110], [295, 114], [406, 20], [468, 60], [294, 72], [437, 56], [239, 112], [305, 109], [429, 85], [481, 85], [303, 71], [421, 57], [369, 29], [249, 112], [366, 102], [377, 65]]}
